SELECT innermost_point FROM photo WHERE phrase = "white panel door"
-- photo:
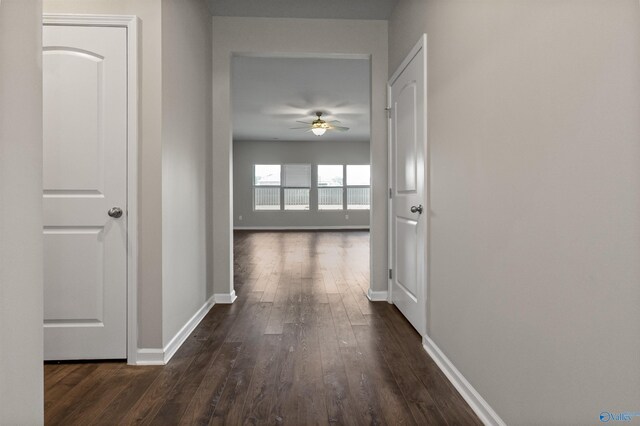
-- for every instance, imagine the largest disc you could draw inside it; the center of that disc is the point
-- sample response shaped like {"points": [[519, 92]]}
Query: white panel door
{"points": [[408, 150], [85, 177]]}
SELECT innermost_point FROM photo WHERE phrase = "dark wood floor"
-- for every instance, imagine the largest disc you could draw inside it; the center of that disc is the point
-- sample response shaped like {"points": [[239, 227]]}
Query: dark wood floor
{"points": [[301, 345]]}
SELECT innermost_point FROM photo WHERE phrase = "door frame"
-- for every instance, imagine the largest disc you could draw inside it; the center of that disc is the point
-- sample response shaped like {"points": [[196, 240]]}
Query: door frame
{"points": [[421, 44], [130, 23]]}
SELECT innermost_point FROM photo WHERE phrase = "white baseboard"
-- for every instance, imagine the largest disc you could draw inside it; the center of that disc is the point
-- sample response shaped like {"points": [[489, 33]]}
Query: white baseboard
{"points": [[300, 228], [177, 341], [163, 356], [150, 357], [225, 298], [477, 403], [378, 296]]}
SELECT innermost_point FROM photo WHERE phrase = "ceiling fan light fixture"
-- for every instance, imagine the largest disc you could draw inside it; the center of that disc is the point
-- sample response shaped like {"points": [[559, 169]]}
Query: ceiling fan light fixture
{"points": [[319, 126]]}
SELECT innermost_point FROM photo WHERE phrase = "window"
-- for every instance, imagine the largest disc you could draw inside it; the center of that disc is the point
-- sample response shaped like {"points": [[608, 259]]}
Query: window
{"points": [[288, 187], [358, 187], [330, 187], [297, 185], [266, 187]]}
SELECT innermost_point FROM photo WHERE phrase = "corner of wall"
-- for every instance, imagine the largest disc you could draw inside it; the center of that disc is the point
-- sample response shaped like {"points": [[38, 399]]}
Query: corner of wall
{"points": [[21, 241]]}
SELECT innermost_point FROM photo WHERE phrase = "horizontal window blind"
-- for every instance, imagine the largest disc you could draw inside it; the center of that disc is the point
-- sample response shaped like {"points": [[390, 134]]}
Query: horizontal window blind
{"points": [[297, 175]]}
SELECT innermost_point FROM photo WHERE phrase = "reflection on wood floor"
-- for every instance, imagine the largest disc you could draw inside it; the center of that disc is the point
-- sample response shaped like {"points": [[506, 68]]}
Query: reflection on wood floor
{"points": [[301, 345]]}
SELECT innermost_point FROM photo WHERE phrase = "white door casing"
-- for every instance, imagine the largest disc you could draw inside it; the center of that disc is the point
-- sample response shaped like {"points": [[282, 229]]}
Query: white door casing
{"points": [[408, 182], [85, 97]]}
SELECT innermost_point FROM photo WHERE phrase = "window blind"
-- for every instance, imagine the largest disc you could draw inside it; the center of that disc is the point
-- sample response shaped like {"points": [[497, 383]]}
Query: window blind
{"points": [[297, 175]]}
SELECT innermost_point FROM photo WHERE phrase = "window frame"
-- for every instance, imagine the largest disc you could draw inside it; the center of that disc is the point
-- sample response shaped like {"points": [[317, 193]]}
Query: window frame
{"points": [[347, 186], [313, 188], [254, 187], [318, 188], [283, 188]]}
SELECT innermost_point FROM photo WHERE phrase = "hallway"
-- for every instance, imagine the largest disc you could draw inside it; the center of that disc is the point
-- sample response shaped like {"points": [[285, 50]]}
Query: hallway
{"points": [[301, 345]]}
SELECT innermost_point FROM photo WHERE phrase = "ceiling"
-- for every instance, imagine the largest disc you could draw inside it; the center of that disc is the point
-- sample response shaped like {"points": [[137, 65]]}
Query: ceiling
{"points": [[325, 9], [270, 94]]}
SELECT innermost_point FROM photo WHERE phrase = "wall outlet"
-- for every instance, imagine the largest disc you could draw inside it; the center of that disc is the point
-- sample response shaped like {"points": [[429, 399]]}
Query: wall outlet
{"points": [[346, 216], [240, 217]]}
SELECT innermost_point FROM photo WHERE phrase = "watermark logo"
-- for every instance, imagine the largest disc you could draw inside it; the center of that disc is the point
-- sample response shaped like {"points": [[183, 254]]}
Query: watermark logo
{"points": [[623, 416]]}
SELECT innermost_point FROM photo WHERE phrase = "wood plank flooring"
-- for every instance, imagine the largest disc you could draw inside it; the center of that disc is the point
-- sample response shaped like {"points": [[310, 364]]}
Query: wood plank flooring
{"points": [[301, 345]]}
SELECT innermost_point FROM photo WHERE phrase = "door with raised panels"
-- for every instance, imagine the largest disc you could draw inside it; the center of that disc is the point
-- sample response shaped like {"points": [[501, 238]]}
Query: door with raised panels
{"points": [[85, 192], [409, 209]]}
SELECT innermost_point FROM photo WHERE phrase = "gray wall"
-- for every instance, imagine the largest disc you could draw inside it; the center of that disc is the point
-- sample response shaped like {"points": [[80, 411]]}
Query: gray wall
{"points": [[534, 137], [21, 395], [246, 154], [186, 137]]}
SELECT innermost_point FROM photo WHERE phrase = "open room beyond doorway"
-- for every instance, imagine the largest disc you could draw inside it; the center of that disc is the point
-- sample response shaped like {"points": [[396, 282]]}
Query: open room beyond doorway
{"points": [[301, 143], [289, 37]]}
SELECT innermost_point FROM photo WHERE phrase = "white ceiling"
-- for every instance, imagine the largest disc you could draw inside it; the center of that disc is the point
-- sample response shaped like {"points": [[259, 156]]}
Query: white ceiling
{"points": [[325, 9], [270, 94]]}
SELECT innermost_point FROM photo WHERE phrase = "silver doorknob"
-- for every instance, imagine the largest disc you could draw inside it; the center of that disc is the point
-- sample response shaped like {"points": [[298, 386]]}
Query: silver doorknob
{"points": [[417, 209], [115, 212]]}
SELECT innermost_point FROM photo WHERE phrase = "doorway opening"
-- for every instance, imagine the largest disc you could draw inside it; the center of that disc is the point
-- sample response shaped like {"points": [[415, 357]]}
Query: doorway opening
{"points": [[301, 177]]}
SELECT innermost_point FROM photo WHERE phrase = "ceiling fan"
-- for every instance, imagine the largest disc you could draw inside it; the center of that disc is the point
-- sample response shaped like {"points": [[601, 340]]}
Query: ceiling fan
{"points": [[320, 126]]}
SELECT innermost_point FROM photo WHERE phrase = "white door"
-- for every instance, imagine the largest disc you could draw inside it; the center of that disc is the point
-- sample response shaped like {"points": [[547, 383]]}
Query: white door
{"points": [[85, 183], [409, 209]]}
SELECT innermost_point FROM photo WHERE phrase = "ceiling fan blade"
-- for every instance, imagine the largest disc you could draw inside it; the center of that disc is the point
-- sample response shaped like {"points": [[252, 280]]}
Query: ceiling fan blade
{"points": [[304, 122], [334, 121], [339, 128], [298, 128]]}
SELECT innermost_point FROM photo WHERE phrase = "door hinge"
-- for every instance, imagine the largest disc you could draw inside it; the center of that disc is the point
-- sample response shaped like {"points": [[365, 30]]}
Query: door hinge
{"points": [[390, 273], [388, 109], [390, 193]]}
